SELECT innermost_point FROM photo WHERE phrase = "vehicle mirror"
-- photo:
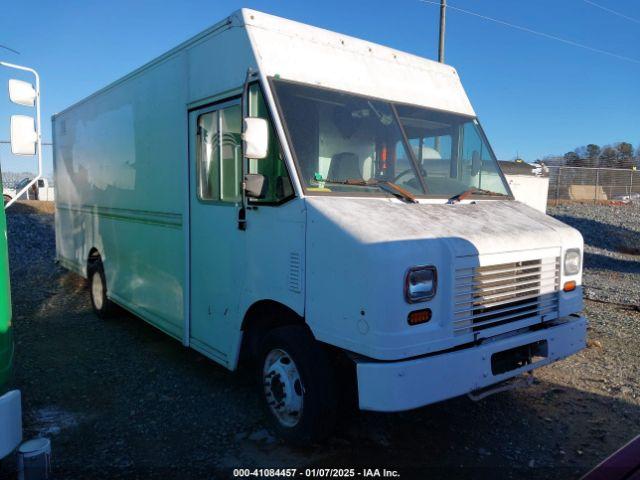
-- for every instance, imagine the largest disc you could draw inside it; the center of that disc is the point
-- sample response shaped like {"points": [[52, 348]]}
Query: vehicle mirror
{"points": [[23, 135], [256, 185], [22, 93], [255, 138], [476, 163]]}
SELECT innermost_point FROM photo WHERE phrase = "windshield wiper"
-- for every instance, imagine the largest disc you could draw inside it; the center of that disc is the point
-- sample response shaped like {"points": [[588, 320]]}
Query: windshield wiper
{"points": [[473, 191], [397, 190], [385, 185]]}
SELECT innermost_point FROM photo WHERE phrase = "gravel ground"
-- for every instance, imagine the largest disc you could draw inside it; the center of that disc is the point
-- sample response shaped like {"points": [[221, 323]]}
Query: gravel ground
{"points": [[612, 249], [121, 400]]}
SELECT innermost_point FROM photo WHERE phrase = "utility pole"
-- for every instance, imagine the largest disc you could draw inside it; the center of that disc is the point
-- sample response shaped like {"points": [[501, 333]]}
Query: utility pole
{"points": [[443, 21]]}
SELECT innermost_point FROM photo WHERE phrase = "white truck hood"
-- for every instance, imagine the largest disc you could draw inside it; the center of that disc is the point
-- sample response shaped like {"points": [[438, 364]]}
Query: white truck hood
{"points": [[489, 226], [358, 251]]}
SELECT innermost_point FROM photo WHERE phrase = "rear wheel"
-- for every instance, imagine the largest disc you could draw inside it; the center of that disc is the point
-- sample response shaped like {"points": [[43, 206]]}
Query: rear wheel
{"points": [[297, 385], [102, 306]]}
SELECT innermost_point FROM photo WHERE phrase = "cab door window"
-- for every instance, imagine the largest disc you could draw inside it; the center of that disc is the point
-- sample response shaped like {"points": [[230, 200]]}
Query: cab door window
{"points": [[219, 155]]}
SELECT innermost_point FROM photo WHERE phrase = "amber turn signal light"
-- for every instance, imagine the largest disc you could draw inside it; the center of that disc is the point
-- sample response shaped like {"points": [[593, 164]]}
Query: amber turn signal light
{"points": [[569, 286], [419, 316]]}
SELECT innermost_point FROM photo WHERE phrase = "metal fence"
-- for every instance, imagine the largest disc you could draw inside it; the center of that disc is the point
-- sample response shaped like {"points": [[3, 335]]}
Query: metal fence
{"points": [[16, 168], [582, 184]]}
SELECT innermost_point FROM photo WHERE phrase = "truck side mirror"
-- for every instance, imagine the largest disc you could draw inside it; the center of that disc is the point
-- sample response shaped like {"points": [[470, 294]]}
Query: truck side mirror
{"points": [[22, 93], [255, 138], [23, 135], [256, 185]]}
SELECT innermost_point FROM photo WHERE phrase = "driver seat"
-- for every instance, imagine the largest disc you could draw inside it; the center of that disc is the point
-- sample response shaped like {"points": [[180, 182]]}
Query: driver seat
{"points": [[345, 166]]}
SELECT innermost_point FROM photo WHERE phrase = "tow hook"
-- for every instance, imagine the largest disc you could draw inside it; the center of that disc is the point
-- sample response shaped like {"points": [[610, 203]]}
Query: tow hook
{"points": [[523, 381]]}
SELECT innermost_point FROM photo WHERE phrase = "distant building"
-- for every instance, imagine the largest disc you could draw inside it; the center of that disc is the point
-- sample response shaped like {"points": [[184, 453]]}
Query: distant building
{"points": [[529, 182]]}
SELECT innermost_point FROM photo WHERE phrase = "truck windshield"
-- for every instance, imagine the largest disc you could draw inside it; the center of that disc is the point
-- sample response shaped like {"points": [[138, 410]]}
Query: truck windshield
{"points": [[349, 144]]}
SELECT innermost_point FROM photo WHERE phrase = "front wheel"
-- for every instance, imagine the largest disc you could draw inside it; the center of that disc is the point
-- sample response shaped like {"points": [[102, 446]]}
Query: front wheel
{"points": [[297, 384]]}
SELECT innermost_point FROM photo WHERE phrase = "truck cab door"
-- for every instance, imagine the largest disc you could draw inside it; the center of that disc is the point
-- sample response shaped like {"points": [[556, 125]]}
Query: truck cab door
{"points": [[216, 245]]}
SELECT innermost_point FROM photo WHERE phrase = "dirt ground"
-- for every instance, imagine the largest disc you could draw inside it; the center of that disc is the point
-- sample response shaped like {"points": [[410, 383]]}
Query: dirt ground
{"points": [[119, 399]]}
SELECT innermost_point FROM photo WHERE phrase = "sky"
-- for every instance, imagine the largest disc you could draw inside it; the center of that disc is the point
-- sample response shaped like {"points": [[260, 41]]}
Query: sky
{"points": [[533, 95]]}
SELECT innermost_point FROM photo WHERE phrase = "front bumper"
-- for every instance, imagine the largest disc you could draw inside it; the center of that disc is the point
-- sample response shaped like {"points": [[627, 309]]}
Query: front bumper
{"points": [[10, 422], [403, 385]]}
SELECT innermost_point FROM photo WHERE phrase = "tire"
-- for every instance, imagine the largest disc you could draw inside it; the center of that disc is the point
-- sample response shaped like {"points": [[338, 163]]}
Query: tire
{"points": [[102, 306], [291, 352]]}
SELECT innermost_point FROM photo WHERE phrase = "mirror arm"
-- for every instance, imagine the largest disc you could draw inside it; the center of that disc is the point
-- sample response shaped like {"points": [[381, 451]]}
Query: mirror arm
{"points": [[244, 108], [38, 132]]}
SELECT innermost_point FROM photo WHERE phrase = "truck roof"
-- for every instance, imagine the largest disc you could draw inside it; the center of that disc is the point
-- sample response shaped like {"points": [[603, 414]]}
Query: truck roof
{"points": [[296, 51], [313, 55]]}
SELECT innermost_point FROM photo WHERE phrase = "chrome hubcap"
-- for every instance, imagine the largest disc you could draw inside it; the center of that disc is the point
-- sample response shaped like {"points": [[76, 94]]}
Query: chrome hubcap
{"points": [[283, 387], [96, 290]]}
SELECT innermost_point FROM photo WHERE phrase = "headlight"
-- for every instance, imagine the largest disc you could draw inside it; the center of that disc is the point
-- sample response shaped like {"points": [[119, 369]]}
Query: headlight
{"points": [[572, 260], [420, 284]]}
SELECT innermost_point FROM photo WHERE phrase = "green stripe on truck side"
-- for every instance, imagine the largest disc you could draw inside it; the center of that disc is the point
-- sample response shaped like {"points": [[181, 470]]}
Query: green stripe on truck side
{"points": [[162, 219]]}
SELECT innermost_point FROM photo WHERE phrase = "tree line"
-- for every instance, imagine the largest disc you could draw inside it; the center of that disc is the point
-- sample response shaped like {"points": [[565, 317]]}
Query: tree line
{"points": [[617, 155]]}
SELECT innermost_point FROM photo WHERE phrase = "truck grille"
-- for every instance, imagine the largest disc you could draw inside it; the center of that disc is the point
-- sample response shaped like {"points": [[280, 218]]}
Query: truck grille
{"points": [[489, 296]]}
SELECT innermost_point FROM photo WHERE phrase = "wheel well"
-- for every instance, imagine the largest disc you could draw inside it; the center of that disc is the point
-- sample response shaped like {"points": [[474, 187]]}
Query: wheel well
{"points": [[262, 317], [93, 258], [266, 315]]}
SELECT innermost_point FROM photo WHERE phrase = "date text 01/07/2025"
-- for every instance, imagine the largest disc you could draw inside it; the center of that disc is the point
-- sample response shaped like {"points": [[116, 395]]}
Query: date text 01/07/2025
{"points": [[316, 473]]}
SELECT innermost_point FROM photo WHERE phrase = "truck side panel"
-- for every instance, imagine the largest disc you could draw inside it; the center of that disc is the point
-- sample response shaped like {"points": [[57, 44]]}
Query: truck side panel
{"points": [[121, 160], [6, 340]]}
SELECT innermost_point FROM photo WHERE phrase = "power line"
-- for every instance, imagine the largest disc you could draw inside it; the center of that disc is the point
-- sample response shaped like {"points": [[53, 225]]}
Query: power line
{"points": [[10, 49], [540, 34], [614, 12]]}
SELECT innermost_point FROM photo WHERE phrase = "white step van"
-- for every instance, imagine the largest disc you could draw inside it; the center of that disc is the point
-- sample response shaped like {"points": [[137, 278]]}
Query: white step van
{"points": [[327, 208]]}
